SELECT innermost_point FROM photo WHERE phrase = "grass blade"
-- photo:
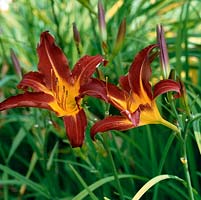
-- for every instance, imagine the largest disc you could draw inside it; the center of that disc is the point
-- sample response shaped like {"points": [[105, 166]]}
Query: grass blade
{"points": [[152, 182], [16, 142], [35, 186], [196, 125], [103, 181], [83, 183]]}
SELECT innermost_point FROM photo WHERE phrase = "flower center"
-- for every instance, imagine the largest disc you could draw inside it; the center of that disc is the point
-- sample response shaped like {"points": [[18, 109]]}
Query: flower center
{"points": [[65, 97]]}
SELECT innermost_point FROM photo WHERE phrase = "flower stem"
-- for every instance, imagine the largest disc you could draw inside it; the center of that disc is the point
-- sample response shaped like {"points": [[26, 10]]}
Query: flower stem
{"points": [[105, 143], [183, 140], [170, 125], [184, 161]]}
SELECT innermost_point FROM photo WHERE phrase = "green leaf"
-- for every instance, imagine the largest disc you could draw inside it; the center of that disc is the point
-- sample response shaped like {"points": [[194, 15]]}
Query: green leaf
{"points": [[103, 181], [92, 195], [152, 182], [16, 142], [9, 182], [6, 79], [51, 158], [34, 186], [86, 4], [197, 132]]}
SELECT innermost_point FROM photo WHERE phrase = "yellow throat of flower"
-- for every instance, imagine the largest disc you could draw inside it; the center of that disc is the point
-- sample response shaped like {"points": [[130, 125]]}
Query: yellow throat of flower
{"points": [[152, 116], [65, 98]]}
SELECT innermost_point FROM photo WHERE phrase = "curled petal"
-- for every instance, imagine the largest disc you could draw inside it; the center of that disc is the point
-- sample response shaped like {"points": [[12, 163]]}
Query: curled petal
{"points": [[85, 67], [107, 92], [119, 123], [140, 73], [51, 59], [95, 88], [117, 97], [34, 80], [28, 99], [166, 86], [75, 128]]}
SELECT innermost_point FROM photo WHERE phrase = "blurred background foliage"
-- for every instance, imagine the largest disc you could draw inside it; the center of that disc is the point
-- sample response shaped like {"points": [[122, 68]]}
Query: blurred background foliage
{"points": [[36, 160]]}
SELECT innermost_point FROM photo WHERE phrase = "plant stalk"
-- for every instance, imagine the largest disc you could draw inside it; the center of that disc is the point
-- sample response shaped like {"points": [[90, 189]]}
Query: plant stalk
{"points": [[114, 168], [184, 161], [183, 141]]}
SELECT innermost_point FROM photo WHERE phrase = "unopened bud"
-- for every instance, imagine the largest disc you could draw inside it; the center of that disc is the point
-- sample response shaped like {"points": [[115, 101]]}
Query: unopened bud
{"points": [[164, 59], [101, 22], [77, 39], [120, 37], [172, 75], [184, 98], [16, 63]]}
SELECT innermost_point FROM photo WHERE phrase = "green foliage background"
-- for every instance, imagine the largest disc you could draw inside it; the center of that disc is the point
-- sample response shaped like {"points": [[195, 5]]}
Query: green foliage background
{"points": [[36, 160]]}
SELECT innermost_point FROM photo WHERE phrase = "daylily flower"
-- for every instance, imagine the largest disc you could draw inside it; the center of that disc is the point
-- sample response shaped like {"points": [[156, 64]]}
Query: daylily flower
{"points": [[134, 99], [56, 87]]}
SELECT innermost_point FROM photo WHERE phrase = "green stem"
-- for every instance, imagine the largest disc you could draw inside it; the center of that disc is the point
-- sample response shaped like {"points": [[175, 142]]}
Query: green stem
{"points": [[5, 187], [105, 143], [183, 141], [186, 170], [170, 125]]}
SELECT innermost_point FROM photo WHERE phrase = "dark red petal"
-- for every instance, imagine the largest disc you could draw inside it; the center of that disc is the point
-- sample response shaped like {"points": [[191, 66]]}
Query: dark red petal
{"points": [[140, 70], [51, 59], [166, 86], [117, 97], [75, 128], [124, 83], [107, 92], [28, 99], [119, 123], [95, 88], [33, 80], [85, 67]]}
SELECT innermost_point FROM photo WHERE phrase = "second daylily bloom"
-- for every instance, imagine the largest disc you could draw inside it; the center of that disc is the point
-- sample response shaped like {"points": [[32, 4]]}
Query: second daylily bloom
{"points": [[135, 99], [56, 87]]}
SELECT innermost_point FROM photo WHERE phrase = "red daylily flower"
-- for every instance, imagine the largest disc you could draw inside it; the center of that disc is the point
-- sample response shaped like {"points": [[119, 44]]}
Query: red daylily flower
{"points": [[135, 99], [56, 87]]}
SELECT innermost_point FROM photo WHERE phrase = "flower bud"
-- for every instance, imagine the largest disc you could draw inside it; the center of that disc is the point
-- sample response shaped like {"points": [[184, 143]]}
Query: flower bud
{"points": [[16, 63], [101, 22], [184, 98], [77, 39], [164, 60], [120, 37]]}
